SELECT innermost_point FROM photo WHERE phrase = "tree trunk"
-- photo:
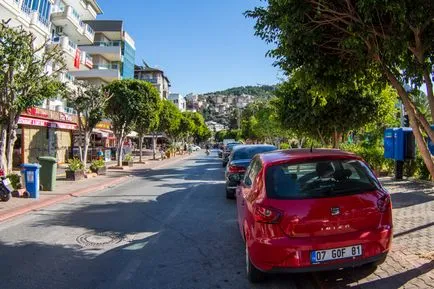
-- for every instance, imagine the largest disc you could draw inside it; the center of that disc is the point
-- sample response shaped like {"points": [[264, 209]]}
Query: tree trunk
{"points": [[87, 135], [429, 91], [421, 144], [140, 147], [12, 137], [154, 146], [3, 140], [120, 146]]}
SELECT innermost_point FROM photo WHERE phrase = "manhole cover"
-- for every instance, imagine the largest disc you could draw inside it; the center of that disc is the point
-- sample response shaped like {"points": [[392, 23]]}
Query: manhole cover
{"points": [[98, 239]]}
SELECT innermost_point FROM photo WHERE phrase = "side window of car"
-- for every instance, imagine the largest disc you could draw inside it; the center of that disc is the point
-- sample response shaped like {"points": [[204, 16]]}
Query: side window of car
{"points": [[255, 167], [247, 180]]}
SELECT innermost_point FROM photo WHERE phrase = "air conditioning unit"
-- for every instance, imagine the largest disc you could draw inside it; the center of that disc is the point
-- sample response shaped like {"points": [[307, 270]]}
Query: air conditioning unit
{"points": [[59, 30]]}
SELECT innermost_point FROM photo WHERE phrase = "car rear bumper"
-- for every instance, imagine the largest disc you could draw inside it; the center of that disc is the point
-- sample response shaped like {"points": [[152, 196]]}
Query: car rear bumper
{"points": [[293, 254], [378, 259]]}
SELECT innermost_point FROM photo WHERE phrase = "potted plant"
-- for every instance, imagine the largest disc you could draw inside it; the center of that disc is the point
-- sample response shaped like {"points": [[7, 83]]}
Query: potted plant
{"points": [[98, 167], [128, 160], [75, 170]]}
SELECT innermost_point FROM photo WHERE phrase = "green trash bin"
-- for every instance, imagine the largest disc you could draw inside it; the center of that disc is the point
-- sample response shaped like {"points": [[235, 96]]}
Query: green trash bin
{"points": [[48, 173]]}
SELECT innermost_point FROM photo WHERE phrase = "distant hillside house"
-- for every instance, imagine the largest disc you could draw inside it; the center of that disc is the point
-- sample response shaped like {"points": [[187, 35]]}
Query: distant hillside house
{"points": [[214, 126], [155, 76], [178, 100]]}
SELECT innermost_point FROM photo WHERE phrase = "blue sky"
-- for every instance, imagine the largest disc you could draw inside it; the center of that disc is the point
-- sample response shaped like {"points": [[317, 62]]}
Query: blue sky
{"points": [[202, 45]]}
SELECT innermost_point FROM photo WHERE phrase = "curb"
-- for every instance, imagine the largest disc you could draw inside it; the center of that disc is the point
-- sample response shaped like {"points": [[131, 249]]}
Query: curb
{"points": [[46, 203], [39, 205]]}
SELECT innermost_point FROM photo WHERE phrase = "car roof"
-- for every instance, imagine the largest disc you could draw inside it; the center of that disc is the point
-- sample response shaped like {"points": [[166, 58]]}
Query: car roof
{"points": [[275, 157], [241, 147]]}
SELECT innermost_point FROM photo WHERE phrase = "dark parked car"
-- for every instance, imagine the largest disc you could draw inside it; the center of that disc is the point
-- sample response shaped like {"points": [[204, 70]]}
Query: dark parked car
{"points": [[227, 151], [239, 160]]}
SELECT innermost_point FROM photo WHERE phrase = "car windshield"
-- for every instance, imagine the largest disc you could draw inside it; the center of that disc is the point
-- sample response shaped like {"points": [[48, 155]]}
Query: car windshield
{"points": [[231, 146], [247, 153], [325, 178]]}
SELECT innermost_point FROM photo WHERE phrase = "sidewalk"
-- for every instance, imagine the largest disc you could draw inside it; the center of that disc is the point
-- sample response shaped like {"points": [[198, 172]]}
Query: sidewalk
{"points": [[68, 189]]}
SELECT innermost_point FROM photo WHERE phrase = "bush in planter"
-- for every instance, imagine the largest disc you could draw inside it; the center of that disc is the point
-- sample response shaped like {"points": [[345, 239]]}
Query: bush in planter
{"points": [[284, 146], [128, 160], [98, 167], [15, 181], [75, 170]]}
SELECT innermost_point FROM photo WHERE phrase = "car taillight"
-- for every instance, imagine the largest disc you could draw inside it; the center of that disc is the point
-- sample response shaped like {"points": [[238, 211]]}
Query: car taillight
{"points": [[2, 173], [383, 203], [267, 215], [236, 169]]}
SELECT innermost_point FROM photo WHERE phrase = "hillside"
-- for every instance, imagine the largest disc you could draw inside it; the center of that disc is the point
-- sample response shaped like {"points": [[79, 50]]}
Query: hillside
{"points": [[261, 91], [225, 106]]}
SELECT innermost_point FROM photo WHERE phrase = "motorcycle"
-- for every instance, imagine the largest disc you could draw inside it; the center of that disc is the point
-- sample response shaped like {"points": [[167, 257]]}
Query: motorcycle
{"points": [[5, 188]]}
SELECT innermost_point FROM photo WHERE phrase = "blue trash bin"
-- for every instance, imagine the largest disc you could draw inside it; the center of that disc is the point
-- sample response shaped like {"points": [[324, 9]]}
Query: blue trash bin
{"points": [[31, 179]]}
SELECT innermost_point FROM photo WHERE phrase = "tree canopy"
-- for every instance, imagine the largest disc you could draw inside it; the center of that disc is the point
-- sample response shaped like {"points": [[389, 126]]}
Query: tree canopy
{"points": [[334, 41]]}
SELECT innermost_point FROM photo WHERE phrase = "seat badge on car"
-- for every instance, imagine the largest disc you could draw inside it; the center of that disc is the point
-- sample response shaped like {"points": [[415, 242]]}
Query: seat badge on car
{"points": [[335, 211]]}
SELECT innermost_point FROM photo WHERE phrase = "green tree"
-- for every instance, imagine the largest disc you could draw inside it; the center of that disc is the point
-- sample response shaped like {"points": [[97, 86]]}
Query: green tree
{"points": [[89, 101], [148, 118], [336, 39], [324, 115], [25, 82], [170, 118], [125, 107]]}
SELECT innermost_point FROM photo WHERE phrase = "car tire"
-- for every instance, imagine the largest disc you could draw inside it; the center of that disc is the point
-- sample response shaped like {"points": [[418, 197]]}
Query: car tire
{"points": [[230, 194], [254, 275], [224, 164]]}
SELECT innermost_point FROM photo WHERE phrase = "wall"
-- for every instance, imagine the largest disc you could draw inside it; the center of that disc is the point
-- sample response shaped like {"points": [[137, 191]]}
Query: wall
{"points": [[43, 141]]}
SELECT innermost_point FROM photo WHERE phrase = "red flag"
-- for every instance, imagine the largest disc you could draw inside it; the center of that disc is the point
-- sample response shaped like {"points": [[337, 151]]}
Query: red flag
{"points": [[77, 58]]}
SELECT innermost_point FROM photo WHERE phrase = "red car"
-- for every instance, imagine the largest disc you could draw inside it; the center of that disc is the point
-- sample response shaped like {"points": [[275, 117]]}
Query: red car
{"points": [[312, 210]]}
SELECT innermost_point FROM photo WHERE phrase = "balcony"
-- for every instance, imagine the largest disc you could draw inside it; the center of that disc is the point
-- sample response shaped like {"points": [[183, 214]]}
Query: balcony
{"points": [[70, 50], [69, 23], [110, 50], [105, 72]]}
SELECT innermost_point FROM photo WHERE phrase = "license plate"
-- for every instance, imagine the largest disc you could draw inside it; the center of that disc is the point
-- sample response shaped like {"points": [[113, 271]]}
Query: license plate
{"points": [[335, 254], [6, 182]]}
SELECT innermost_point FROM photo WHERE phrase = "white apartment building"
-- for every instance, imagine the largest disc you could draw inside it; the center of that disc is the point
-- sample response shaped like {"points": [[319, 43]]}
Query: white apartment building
{"points": [[178, 100], [154, 76]]}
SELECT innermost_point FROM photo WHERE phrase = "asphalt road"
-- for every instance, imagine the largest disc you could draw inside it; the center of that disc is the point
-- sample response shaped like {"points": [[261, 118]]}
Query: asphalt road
{"points": [[167, 228]]}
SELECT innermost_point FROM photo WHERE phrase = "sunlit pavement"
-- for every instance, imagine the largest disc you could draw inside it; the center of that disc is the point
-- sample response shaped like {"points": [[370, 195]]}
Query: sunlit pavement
{"points": [[174, 228]]}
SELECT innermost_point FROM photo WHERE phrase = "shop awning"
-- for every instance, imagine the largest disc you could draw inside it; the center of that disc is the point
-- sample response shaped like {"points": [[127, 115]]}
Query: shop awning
{"points": [[133, 134], [103, 134]]}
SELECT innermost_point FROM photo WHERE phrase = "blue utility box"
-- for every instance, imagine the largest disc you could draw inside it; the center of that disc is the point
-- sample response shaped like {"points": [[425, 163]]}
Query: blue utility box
{"points": [[31, 179], [389, 143], [399, 144]]}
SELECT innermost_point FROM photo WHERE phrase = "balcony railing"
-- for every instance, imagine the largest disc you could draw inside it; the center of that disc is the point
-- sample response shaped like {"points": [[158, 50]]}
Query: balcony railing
{"points": [[26, 9], [106, 66], [43, 20], [107, 43]]}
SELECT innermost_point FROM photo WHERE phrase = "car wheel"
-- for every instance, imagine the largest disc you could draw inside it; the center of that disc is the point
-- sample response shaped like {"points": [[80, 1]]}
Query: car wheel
{"points": [[253, 274], [224, 164], [230, 194]]}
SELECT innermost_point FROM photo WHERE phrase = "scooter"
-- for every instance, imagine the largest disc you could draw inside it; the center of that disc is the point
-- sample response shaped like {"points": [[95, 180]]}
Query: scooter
{"points": [[5, 188]]}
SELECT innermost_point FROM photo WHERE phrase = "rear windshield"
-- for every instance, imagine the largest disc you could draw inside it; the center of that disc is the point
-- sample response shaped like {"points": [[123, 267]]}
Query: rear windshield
{"points": [[325, 178], [249, 152]]}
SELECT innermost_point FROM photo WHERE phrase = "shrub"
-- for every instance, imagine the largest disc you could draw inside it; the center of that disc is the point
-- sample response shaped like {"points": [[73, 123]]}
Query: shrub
{"points": [[75, 165], [96, 164], [284, 146], [128, 157], [15, 180], [373, 155]]}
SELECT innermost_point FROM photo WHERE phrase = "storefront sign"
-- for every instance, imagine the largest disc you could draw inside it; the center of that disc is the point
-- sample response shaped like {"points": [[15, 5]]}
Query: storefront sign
{"points": [[46, 123], [50, 115], [35, 111], [103, 125]]}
